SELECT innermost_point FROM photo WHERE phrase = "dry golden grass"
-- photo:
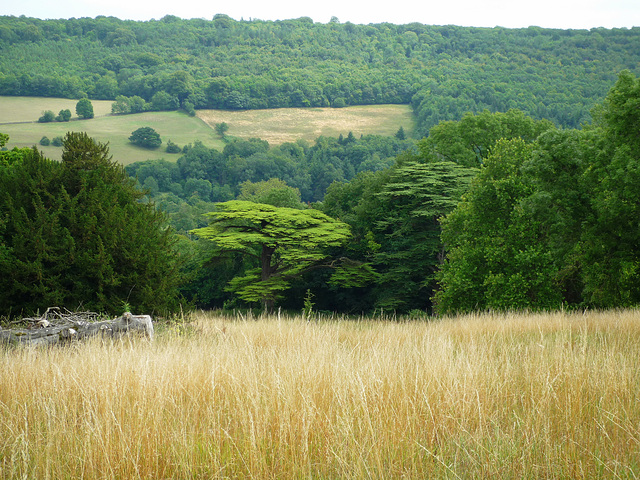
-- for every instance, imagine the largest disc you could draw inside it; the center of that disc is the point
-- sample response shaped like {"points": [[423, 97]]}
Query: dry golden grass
{"points": [[485, 396], [280, 125]]}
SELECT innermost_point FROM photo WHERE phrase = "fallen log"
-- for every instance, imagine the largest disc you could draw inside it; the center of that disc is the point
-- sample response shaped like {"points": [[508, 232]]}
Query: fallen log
{"points": [[56, 328]]}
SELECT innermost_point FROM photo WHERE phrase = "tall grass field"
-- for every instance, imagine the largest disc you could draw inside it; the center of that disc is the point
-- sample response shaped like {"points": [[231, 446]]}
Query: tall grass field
{"points": [[482, 396]]}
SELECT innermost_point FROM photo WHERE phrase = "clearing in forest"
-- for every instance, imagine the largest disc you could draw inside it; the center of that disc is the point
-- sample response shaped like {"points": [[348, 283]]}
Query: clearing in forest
{"points": [[19, 115]]}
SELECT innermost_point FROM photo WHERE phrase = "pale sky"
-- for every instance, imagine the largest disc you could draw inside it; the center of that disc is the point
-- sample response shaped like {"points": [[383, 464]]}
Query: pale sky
{"points": [[478, 13]]}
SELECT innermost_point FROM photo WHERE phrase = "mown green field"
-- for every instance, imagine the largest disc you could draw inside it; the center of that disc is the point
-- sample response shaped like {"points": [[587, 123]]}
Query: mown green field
{"points": [[276, 126]]}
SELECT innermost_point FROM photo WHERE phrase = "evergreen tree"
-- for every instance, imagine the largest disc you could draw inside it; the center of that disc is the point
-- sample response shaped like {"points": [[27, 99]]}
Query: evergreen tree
{"points": [[75, 234], [414, 199], [283, 243]]}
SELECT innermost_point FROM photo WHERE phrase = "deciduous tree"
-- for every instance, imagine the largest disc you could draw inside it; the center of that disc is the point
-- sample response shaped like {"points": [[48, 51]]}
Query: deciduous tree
{"points": [[84, 108], [272, 192], [611, 242], [498, 253], [222, 128], [146, 137]]}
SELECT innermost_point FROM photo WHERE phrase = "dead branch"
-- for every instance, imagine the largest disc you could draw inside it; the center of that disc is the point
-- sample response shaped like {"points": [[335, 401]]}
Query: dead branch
{"points": [[56, 326]]}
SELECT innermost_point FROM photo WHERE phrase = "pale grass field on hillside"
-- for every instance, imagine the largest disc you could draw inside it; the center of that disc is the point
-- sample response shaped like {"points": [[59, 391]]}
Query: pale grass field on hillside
{"points": [[280, 125], [482, 396]]}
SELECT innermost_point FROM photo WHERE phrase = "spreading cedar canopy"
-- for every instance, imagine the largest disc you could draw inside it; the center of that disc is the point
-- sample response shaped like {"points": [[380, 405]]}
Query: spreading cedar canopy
{"points": [[285, 242]]}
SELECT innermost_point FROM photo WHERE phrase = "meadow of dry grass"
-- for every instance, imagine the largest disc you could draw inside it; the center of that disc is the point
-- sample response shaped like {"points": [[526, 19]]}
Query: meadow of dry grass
{"points": [[482, 396], [280, 125]]}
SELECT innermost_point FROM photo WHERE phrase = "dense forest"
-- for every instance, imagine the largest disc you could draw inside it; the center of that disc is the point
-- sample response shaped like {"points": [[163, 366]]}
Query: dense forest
{"points": [[519, 190], [442, 71], [206, 174], [494, 211]]}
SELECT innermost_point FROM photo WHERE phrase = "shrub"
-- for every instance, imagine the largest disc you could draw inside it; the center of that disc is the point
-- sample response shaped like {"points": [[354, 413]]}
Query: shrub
{"points": [[339, 103], [172, 147], [189, 108], [47, 116], [84, 108], [64, 115]]}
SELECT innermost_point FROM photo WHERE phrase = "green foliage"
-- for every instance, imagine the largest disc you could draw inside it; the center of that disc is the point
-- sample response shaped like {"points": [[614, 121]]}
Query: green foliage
{"points": [[172, 147], [620, 116], [189, 108], [562, 203], [307, 310], [284, 242], [121, 105], [309, 169], [553, 221], [163, 101], [610, 243], [57, 141], [47, 116], [551, 218], [13, 156], [137, 104], [84, 108], [442, 71], [64, 115], [413, 200], [222, 128], [339, 102], [469, 141], [44, 141], [146, 137], [353, 274], [497, 255], [394, 217], [272, 192], [74, 233]]}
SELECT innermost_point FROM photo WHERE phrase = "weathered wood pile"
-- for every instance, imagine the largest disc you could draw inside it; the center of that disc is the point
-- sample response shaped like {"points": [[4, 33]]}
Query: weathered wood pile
{"points": [[57, 327]]}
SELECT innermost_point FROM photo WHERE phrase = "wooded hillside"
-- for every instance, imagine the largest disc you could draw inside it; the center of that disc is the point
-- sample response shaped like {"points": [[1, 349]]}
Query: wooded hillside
{"points": [[442, 71]]}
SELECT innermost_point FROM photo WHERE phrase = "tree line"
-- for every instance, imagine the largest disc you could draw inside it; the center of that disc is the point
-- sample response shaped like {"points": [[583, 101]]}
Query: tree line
{"points": [[493, 211], [202, 176], [546, 218], [442, 71]]}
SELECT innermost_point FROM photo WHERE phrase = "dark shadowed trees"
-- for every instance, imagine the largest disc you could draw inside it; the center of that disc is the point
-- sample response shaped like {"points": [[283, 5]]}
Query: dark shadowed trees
{"points": [[74, 234]]}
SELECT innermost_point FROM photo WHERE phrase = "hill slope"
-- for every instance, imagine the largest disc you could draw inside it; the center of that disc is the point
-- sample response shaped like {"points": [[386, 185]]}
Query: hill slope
{"points": [[442, 71]]}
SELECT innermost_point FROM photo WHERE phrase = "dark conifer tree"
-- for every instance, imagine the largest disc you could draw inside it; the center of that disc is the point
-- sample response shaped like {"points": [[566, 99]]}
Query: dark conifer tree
{"points": [[75, 234]]}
